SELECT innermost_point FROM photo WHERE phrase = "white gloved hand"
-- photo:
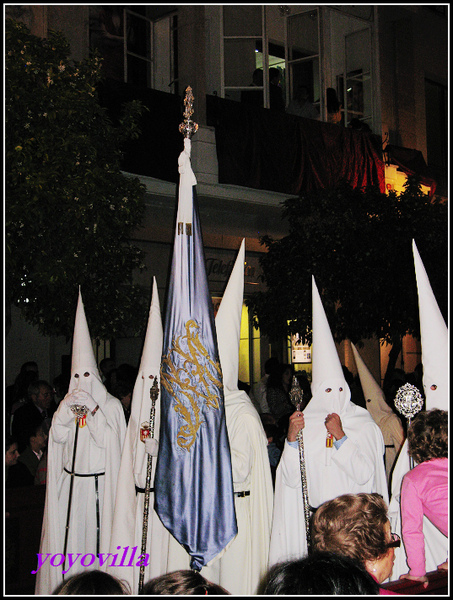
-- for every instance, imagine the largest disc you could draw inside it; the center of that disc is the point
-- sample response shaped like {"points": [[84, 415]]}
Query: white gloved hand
{"points": [[152, 446], [81, 397]]}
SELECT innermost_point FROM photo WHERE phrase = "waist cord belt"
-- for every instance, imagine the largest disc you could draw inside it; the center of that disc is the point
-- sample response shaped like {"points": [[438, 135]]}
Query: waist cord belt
{"points": [[96, 491]]}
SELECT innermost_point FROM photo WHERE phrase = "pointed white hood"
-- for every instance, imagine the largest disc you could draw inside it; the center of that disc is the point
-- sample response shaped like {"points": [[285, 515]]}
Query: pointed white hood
{"points": [[84, 371], [128, 517], [434, 340], [228, 324], [327, 372], [372, 391], [149, 369]]}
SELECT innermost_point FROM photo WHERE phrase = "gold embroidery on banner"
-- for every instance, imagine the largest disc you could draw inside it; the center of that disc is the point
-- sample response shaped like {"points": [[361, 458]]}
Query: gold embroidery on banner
{"points": [[185, 370]]}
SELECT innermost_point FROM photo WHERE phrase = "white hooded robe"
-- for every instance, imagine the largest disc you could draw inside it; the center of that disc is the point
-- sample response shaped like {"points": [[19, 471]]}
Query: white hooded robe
{"points": [[99, 447], [357, 466]]}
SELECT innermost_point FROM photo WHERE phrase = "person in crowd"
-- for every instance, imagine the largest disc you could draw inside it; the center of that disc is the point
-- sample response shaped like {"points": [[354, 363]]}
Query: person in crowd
{"points": [[83, 462], [92, 583], [393, 380], [182, 583], [35, 450], [252, 96], [359, 125], [11, 458], [304, 385], [17, 395], [320, 574], [343, 447], [424, 490], [277, 394], [41, 471], [106, 366], [39, 407], [259, 391], [357, 526], [121, 385], [18, 390], [277, 101], [301, 105], [273, 450], [123, 391], [60, 386], [333, 106]]}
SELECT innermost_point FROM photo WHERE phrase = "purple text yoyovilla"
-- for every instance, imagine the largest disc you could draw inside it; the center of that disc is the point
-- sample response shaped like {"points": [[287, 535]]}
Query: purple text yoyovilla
{"points": [[128, 559]]}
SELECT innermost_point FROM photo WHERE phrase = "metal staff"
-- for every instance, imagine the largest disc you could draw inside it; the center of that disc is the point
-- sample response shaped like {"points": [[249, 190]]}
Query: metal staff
{"points": [[408, 402], [154, 393], [79, 410], [296, 395]]}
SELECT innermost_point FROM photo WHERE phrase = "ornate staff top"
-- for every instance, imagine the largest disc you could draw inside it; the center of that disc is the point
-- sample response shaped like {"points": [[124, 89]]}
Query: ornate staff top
{"points": [[408, 400], [188, 128], [79, 410], [296, 394]]}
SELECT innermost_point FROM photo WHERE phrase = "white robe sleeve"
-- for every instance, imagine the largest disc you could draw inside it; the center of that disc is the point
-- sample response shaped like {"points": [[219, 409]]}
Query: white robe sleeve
{"points": [[97, 425], [355, 463], [290, 467], [359, 456], [241, 464]]}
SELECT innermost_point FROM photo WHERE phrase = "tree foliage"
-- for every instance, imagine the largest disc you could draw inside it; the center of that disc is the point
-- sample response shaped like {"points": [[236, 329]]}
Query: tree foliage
{"points": [[70, 211], [358, 246]]}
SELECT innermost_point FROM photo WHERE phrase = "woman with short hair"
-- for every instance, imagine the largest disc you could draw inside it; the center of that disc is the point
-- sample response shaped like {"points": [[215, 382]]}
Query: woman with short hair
{"points": [[357, 525]]}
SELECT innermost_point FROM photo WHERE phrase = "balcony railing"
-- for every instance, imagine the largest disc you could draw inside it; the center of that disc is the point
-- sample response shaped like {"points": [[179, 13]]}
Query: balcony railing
{"points": [[256, 147], [437, 585], [271, 150]]}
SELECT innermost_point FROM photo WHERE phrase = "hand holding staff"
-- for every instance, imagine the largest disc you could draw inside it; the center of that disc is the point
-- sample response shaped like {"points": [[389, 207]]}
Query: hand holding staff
{"points": [[154, 393], [296, 424]]}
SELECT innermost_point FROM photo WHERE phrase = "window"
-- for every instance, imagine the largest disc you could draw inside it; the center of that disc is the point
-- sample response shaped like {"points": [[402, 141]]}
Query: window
{"points": [[249, 56], [138, 44], [354, 86], [243, 75], [303, 55]]}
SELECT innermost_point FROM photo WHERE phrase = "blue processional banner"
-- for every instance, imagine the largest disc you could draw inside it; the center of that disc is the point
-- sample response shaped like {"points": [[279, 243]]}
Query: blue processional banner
{"points": [[193, 483]]}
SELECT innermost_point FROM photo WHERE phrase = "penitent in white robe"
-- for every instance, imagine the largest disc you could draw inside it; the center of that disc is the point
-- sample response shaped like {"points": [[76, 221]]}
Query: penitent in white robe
{"points": [[127, 528], [99, 447], [434, 338], [357, 466], [242, 565]]}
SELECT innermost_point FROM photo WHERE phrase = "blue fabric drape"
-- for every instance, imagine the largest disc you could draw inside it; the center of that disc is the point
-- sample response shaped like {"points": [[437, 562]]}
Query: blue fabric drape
{"points": [[193, 483]]}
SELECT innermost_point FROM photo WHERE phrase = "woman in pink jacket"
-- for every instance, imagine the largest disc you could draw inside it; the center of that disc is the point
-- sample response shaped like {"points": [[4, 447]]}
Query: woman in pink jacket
{"points": [[424, 491]]}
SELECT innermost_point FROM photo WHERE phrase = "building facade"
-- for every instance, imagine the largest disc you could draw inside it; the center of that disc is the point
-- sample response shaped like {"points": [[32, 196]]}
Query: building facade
{"points": [[388, 65]]}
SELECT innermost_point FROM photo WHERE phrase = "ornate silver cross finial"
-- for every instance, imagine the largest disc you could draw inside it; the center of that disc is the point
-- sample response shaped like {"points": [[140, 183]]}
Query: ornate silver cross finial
{"points": [[188, 128]]}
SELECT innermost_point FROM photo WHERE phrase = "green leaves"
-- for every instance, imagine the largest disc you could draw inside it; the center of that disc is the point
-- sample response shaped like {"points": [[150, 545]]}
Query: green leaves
{"points": [[70, 212], [357, 244]]}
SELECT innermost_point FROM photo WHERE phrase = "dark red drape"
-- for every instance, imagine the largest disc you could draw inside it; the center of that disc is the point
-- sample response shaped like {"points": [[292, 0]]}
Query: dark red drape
{"points": [[264, 149]]}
